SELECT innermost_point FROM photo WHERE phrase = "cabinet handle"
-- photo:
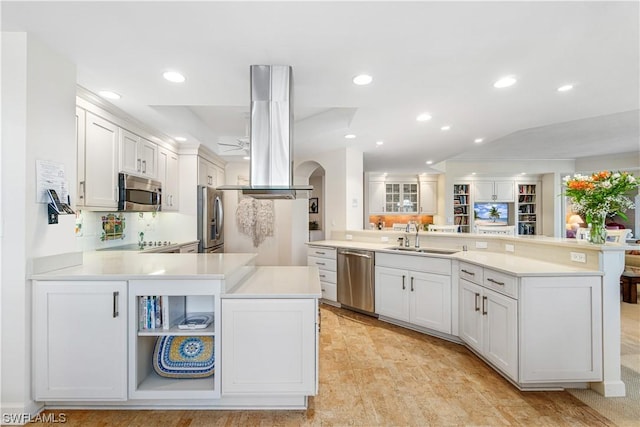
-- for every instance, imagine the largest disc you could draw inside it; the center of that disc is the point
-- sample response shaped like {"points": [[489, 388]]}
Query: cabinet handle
{"points": [[115, 304], [470, 273], [144, 166], [81, 196], [411, 283], [484, 308], [323, 276], [319, 263], [138, 167], [319, 253], [403, 287], [477, 305], [495, 281]]}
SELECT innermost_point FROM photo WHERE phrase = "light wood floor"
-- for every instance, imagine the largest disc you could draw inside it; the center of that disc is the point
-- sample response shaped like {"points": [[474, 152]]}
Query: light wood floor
{"points": [[376, 374]]}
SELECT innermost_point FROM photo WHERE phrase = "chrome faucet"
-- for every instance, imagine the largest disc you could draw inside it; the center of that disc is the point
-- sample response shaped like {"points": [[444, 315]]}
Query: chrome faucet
{"points": [[406, 241], [417, 244]]}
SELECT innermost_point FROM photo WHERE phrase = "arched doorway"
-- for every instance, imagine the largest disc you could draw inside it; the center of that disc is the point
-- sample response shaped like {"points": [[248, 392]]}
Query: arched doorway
{"points": [[313, 173]]}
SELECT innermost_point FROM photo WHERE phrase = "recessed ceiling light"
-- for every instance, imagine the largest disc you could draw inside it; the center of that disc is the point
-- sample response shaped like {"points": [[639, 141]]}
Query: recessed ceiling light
{"points": [[565, 88], [173, 76], [362, 79], [523, 173], [447, 127], [473, 173], [246, 158], [350, 136], [505, 82], [423, 117], [429, 162], [379, 142], [180, 138], [478, 140], [109, 94]]}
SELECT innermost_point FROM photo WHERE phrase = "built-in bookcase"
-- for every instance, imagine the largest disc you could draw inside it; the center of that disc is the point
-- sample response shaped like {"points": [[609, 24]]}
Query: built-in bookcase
{"points": [[527, 209], [461, 207]]}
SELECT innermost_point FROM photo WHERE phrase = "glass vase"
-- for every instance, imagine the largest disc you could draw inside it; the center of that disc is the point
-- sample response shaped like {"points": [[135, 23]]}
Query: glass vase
{"points": [[597, 233]]}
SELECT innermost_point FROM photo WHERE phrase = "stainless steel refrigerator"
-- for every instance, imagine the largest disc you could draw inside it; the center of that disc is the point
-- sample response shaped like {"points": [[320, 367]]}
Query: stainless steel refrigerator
{"points": [[210, 220]]}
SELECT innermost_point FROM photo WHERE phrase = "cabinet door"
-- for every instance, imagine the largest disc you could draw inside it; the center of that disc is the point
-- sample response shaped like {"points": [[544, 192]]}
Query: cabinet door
{"points": [[206, 173], [80, 145], [504, 191], [129, 160], [168, 175], [269, 346], [376, 197], [470, 314], [483, 191], [219, 176], [101, 162], [392, 295], [80, 344], [148, 155], [500, 334], [430, 301], [428, 197]]}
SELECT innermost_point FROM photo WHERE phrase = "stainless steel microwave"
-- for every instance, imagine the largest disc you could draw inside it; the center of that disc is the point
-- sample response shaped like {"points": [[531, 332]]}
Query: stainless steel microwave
{"points": [[138, 194]]}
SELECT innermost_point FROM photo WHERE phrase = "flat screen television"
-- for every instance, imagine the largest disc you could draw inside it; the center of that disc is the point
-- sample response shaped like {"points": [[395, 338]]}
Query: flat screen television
{"points": [[482, 213]]}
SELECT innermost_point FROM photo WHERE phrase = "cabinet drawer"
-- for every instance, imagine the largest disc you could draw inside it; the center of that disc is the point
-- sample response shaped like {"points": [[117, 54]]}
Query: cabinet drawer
{"points": [[322, 263], [329, 291], [328, 276], [471, 272], [501, 282], [320, 252]]}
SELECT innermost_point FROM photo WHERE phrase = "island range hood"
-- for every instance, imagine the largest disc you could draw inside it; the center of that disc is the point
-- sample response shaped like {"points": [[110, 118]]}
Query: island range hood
{"points": [[271, 129]]}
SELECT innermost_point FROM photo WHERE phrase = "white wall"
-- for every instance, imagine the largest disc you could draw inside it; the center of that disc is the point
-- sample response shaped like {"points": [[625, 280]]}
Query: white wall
{"points": [[38, 110], [623, 161], [354, 192]]}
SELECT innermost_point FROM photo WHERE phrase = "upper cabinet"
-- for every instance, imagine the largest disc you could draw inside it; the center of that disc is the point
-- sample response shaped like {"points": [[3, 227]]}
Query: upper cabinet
{"points": [[97, 162], [376, 197], [168, 175], [137, 155], [428, 197], [494, 191], [209, 174]]}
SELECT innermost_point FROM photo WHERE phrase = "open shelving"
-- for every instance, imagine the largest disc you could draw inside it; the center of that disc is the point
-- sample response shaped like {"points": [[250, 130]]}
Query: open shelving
{"points": [[184, 297], [527, 209], [461, 207]]}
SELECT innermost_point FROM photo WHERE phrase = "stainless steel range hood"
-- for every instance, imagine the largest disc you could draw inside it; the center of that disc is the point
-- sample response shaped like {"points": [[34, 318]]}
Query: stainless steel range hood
{"points": [[271, 129]]}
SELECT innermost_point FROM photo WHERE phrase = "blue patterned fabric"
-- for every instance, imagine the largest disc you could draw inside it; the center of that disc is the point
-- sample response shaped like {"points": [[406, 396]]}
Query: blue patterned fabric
{"points": [[184, 356]]}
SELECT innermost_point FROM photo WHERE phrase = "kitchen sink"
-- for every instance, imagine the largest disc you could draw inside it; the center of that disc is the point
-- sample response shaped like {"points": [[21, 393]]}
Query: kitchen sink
{"points": [[424, 250]]}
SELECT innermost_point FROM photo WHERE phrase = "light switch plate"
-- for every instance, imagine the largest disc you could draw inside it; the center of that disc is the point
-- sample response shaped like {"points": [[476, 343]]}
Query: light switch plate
{"points": [[348, 237], [481, 245], [578, 257], [509, 248], [384, 239]]}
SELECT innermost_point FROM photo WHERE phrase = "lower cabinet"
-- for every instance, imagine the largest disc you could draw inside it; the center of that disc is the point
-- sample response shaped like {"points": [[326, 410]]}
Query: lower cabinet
{"points": [[325, 259], [270, 346], [417, 297], [79, 340], [489, 325]]}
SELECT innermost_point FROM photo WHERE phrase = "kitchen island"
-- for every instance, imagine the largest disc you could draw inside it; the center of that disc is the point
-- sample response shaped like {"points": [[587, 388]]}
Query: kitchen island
{"points": [[96, 343], [545, 290]]}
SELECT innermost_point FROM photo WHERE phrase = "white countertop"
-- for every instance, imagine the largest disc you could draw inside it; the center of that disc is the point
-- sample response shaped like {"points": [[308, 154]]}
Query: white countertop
{"points": [[127, 265], [279, 282], [507, 263]]}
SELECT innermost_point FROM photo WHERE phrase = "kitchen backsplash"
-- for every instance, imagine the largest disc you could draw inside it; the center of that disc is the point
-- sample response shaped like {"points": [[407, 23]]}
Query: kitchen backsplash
{"points": [[99, 230]]}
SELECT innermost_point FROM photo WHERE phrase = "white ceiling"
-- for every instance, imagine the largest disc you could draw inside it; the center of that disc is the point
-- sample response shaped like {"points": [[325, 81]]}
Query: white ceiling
{"points": [[440, 57]]}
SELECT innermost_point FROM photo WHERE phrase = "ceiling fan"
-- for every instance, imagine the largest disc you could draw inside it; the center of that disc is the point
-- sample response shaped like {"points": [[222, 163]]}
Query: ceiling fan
{"points": [[240, 144]]}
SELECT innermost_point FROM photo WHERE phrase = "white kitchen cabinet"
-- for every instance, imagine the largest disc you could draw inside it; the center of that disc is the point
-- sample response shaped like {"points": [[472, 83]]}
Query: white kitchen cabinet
{"points": [[489, 325], [79, 340], [191, 248], [185, 297], [325, 259], [207, 173], [80, 147], [414, 289], [270, 346], [376, 197], [168, 175], [99, 189], [561, 329], [137, 155], [428, 197], [494, 191]]}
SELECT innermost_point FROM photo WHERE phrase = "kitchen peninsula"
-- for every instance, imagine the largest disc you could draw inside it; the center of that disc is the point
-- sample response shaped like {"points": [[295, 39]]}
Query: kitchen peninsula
{"points": [[92, 347], [541, 290]]}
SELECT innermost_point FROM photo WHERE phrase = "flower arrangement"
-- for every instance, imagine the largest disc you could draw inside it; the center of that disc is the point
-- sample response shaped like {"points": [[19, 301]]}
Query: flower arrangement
{"points": [[598, 195]]}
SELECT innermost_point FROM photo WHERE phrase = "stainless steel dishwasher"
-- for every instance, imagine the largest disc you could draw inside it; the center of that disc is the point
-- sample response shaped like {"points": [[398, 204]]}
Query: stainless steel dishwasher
{"points": [[356, 279]]}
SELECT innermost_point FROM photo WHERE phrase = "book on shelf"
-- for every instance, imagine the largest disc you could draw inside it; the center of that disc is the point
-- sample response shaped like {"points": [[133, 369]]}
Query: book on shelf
{"points": [[160, 311]]}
